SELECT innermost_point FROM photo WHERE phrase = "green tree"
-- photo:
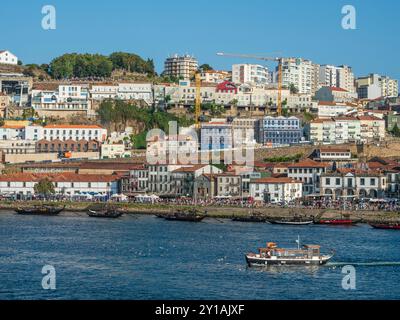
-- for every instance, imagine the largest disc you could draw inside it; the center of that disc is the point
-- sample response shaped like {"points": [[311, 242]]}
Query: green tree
{"points": [[80, 66], [293, 89], [132, 63], [29, 113], [44, 187], [205, 67], [396, 130]]}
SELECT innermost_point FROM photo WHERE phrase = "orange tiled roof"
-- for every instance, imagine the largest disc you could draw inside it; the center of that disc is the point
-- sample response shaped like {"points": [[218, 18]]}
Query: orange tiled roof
{"points": [[308, 163], [276, 180]]}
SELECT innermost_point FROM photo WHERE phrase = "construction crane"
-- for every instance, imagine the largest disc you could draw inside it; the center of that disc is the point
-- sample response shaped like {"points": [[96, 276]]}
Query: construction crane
{"points": [[197, 112], [276, 59]]}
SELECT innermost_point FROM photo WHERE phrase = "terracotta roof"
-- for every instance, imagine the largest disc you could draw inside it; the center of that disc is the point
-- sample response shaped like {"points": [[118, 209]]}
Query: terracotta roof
{"points": [[275, 180], [109, 166], [12, 127], [58, 177], [338, 89], [308, 163], [190, 169], [334, 150], [369, 118], [327, 103]]}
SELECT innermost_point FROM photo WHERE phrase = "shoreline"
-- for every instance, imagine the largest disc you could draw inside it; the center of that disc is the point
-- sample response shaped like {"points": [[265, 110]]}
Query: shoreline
{"points": [[222, 212]]}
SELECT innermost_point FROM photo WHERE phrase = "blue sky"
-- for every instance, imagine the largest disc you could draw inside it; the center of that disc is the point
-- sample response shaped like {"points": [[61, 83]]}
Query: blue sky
{"points": [[156, 28]]}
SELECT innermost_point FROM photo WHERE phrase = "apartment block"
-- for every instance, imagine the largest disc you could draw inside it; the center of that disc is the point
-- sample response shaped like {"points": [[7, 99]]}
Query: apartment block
{"points": [[250, 73], [180, 66]]}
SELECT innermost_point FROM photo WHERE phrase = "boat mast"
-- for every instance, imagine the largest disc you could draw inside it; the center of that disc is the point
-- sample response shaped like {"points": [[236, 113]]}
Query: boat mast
{"points": [[298, 242]]}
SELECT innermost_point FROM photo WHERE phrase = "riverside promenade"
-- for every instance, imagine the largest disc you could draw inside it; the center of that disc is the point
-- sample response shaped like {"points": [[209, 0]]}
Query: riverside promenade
{"points": [[220, 211]]}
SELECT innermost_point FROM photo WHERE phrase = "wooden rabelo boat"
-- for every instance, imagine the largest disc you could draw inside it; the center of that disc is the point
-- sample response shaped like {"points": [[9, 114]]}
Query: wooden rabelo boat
{"points": [[295, 220], [104, 212], [43, 210], [386, 226], [337, 222], [192, 215]]}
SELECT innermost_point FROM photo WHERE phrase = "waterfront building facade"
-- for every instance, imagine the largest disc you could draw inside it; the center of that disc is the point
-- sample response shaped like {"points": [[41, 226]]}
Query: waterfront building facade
{"points": [[276, 190], [281, 131]]}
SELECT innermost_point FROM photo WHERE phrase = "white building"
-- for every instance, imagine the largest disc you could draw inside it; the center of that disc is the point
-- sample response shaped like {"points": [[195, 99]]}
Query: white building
{"points": [[340, 77], [68, 184], [276, 189], [216, 135], [103, 91], [214, 76], [113, 150], [135, 91], [68, 98], [355, 183], [21, 132], [343, 129], [249, 73], [303, 74], [180, 66], [6, 57], [74, 132], [333, 109], [376, 86], [308, 172]]}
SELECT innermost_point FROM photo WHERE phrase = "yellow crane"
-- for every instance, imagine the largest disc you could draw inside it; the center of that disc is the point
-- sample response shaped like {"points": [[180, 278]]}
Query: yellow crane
{"points": [[276, 59], [197, 112]]}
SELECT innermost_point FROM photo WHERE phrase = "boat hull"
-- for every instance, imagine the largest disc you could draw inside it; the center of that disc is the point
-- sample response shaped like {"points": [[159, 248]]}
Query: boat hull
{"points": [[385, 226], [292, 223], [255, 220], [39, 212], [108, 214], [253, 261], [335, 222], [186, 219]]}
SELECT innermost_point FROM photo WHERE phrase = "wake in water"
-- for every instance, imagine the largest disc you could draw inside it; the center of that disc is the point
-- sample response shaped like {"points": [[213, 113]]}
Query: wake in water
{"points": [[366, 264]]}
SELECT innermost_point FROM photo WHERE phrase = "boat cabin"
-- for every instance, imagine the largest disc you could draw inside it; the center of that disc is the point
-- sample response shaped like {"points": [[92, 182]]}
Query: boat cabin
{"points": [[272, 250]]}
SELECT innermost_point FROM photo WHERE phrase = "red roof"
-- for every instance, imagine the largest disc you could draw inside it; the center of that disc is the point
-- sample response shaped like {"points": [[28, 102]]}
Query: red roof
{"points": [[190, 169], [276, 180], [334, 150], [308, 163], [338, 89]]}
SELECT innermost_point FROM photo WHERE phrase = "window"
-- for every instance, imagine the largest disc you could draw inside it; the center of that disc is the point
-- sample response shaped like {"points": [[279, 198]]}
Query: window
{"points": [[372, 181]]}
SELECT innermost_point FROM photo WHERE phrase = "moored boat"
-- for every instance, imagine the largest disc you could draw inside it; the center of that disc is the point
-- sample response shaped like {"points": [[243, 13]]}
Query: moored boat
{"points": [[44, 210], [191, 215], [296, 220], [386, 226], [272, 255], [110, 213], [252, 217], [337, 222]]}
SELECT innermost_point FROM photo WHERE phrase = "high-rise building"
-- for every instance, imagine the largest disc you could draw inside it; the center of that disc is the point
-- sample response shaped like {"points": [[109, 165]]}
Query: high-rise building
{"points": [[249, 73], [375, 86], [303, 74], [180, 66], [340, 77]]}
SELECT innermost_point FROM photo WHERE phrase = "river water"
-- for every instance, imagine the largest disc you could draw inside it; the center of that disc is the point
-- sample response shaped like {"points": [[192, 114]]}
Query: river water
{"points": [[144, 257]]}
